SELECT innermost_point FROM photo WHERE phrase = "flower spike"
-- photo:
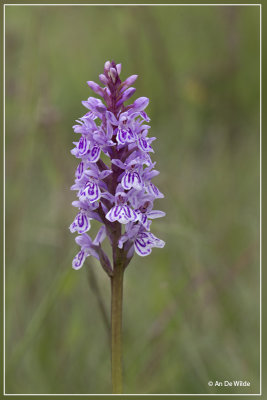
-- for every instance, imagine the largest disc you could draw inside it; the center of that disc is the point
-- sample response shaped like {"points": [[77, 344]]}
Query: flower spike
{"points": [[120, 195]]}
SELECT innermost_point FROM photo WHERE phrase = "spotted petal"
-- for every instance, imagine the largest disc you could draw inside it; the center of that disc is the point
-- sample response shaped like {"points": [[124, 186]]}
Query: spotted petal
{"points": [[145, 116], [83, 146], [113, 213], [156, 241], [154, 191], [91, 192], [141, 247], [127, 215], [145, 241], [79, 170], [131, 179], [78, 260], [144, 221], [144, 145], [126, 136], [81, 224], [122, 214], [94, 154]]}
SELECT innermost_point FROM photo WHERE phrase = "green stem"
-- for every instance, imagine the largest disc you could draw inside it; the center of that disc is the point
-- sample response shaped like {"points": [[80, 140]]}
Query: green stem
{"points": [[116, 327]]}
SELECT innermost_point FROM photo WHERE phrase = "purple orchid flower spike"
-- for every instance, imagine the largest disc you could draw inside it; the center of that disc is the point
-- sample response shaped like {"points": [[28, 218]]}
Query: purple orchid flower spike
{"points": [[117, 193], [121, 193]]}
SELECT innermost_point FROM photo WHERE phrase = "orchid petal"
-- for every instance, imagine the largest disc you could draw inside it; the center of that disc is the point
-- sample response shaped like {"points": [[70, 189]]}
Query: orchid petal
{"points": [[91, 192], [140, 104], [141, 248], [94, 154], [111, 118], [81, 224], [83, 240], [156, 214], [113, 213], [118, 163], [96, 88], [131, 179], [100, 236], [154, 191], [144, 145], [78, 260]]}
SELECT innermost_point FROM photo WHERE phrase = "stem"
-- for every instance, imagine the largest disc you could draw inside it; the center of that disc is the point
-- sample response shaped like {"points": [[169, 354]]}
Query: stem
{"points": [[118, 266], [116, 327]]}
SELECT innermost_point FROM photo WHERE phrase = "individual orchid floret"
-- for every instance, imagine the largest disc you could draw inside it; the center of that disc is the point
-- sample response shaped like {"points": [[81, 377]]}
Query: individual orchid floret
{"points": [[143, 206], [81, 224], [88, 247], [144, 243], [121, 212]]}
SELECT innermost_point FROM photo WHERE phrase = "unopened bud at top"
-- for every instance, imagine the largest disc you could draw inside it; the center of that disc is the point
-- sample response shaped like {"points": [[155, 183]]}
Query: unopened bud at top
{"points": [[113, 74], [107, 65], [118, 68]]}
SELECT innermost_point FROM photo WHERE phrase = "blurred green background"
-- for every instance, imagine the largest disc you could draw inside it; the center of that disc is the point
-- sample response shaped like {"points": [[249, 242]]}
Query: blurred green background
{"points": [[191, 310]]}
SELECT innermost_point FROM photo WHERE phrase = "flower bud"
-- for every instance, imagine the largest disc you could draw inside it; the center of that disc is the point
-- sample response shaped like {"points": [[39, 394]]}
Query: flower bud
{"points": [[107, 65], [126, 95], [140, 104], [118, 68], [113, 74], [103, 79], [96, 88], [129, 81]]}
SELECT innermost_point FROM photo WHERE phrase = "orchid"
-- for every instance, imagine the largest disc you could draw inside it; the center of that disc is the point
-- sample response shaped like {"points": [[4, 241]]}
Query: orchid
{"points": [[117, 193]]}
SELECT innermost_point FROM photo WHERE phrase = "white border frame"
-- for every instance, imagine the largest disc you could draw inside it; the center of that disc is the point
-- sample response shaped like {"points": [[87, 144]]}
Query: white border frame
{"points": [[104, 394]]}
